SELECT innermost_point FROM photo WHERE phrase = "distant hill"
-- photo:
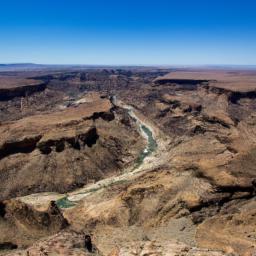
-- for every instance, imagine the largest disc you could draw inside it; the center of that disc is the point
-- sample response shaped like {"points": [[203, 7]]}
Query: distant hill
{"points": [[19, 66], [35, 67]]}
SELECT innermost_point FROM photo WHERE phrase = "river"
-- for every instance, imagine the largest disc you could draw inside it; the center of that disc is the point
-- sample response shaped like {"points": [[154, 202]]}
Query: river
{"points": [[146, 132]]}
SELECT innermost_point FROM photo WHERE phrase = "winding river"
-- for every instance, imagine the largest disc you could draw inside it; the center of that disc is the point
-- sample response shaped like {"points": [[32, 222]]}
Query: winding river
{"points": [[146, 131]]}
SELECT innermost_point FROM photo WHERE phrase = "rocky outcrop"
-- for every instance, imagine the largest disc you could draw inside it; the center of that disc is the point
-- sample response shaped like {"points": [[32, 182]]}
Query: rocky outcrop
{"points": [[232, 95], [80, 141], [25, 145], [21, 91], [236, 96], [50, 220], [231, 229], [21, 224], [64, 243], [191, 82]]}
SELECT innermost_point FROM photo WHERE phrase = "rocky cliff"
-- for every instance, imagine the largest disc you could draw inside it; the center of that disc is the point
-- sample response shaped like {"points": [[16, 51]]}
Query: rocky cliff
{"points": [[194, 194], [66, 149]]}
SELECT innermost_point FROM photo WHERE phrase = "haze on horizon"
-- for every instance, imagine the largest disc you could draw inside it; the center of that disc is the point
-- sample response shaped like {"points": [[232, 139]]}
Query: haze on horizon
{"points": [[128, 32]]}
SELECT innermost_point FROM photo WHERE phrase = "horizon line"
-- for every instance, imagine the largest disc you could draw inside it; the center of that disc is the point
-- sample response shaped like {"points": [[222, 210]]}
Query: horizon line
{"points": [[132, 65]]}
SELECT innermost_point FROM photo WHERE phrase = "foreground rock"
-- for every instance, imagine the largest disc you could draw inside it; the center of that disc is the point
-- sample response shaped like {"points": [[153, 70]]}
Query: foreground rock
{"points": [[63, 244], [162, 248], [72, 243], [21, 224]]}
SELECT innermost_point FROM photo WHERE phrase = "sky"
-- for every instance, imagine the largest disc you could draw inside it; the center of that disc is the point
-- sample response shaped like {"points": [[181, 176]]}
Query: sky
{"points": [[128, 32]]}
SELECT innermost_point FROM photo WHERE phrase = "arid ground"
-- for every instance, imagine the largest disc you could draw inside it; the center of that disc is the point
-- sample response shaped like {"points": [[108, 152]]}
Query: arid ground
{"points": [[144, 161]]}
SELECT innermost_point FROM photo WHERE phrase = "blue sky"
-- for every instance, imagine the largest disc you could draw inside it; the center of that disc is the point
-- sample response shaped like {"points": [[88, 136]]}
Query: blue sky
{"points": [[161, 32]]}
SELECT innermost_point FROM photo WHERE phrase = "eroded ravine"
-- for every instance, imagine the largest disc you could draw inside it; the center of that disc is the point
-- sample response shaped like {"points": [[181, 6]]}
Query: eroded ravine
{"points": [[150, 157], [147, 132]]}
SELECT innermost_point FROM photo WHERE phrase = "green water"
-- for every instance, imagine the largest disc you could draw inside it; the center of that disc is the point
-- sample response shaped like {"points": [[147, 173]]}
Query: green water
{"points": [[151, 147], [64, 203]]}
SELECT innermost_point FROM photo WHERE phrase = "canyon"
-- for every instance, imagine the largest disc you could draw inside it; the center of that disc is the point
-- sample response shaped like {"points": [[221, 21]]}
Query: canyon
{"points": [[144, 160]]}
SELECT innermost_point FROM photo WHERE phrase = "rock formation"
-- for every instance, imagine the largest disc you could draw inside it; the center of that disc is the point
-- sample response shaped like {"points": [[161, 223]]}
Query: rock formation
{"points": [[79, 148]]}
